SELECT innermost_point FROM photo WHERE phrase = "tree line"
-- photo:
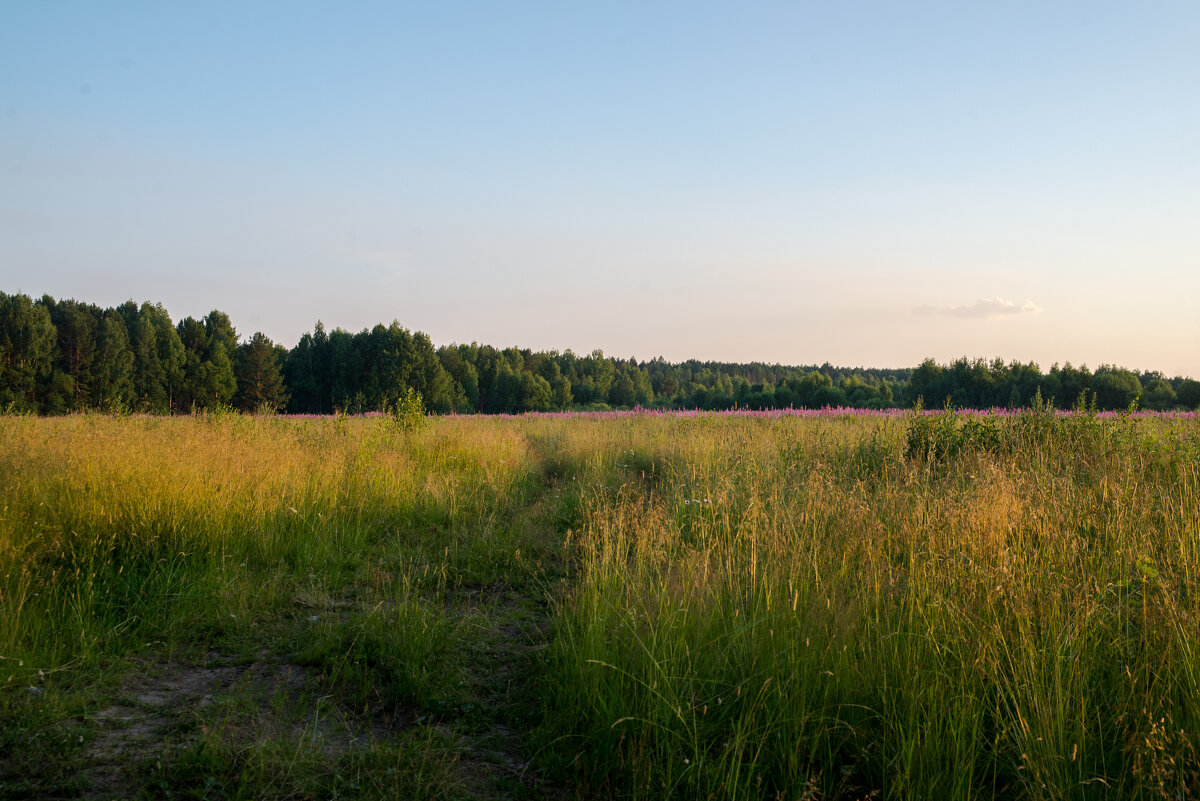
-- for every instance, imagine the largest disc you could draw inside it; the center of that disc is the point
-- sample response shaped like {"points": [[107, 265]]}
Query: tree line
{"points": [[67, 356]]}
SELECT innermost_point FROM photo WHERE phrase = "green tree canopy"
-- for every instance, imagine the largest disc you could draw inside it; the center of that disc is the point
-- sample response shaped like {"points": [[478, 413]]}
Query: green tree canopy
{"points": [[259, 377], [77, 327], [1159, 395], [1115, 387], [28, 344], [114, 365], [1188, 394]]}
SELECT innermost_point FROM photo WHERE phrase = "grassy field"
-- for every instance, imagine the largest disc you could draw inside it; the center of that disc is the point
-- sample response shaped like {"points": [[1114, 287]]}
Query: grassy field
{"points": [[640, 606]]}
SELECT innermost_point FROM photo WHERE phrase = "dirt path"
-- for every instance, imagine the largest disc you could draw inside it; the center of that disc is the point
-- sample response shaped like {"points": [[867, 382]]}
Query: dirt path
{"points": [[167, 710], [256, 715], [505, 666]]}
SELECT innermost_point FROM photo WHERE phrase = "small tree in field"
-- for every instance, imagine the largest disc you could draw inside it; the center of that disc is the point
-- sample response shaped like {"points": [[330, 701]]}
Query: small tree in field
{"points": [[259, 377], [408, 412]]}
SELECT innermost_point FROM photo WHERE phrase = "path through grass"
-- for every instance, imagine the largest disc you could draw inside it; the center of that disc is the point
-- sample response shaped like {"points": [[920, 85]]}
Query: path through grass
{"points": [[642, 607], [239, 607]]}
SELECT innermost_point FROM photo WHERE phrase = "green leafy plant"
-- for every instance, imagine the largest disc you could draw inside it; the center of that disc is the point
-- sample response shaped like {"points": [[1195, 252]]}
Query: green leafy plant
{"points": [[408, 411]]}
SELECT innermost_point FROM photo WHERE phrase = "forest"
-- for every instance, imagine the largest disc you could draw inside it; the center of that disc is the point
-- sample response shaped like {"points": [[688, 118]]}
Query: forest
{"points": [[63, 356]]}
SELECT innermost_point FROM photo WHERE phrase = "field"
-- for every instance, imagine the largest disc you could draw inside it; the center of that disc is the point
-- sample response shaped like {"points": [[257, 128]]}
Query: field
{"points": [[807, 606]]}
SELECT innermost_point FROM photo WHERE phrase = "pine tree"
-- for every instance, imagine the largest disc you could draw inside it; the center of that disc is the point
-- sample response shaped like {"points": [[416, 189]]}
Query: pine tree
{"points": [[158, 357], [194, 337], [27, 348], [259, 377], [77, 326], [113, 365], [149, 377]]}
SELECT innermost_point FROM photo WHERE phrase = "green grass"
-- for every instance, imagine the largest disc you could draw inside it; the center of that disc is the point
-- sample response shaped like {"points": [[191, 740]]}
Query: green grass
{"points": [[642, 607], [347, 550], [827, 608]]}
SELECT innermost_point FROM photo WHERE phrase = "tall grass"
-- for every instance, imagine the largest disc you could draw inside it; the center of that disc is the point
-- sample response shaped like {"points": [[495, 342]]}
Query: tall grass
{"points": [[948, 607], [119, 532], [773, 606]]}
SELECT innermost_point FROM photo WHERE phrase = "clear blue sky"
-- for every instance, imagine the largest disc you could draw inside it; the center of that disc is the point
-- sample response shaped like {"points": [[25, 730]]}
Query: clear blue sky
{"points": [[852, 182]]}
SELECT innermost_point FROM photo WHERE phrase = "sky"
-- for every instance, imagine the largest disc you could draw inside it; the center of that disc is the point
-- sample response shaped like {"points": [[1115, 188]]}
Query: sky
{"points": [[860, 183]]}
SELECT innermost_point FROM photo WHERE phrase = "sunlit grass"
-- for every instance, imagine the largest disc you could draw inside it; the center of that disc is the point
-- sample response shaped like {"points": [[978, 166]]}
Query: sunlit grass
{"points": [[336, 545], [792, 607], [740, 606], [156, 525]]}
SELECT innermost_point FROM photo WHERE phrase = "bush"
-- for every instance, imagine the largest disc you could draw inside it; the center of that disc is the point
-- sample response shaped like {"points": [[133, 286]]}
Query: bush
{"points": [[936, 438], [408, 412]]}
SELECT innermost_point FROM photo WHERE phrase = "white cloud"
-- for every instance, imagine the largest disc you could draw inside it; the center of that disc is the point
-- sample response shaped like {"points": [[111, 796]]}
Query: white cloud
{"points": [[982, 309]]}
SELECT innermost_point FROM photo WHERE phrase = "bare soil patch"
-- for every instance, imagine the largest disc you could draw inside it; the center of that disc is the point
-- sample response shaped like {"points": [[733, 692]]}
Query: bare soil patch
{"points": [[166, 706]]}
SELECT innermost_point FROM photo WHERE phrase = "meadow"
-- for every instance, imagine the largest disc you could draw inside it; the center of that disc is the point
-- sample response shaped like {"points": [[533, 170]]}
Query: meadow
{"points": [[829, 605]]}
